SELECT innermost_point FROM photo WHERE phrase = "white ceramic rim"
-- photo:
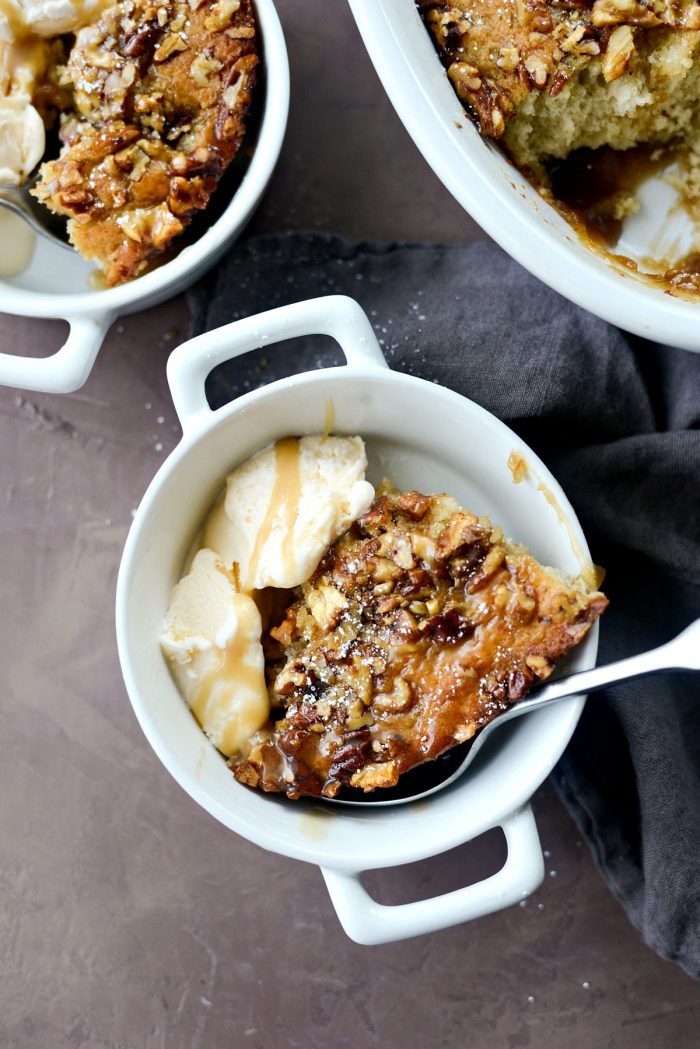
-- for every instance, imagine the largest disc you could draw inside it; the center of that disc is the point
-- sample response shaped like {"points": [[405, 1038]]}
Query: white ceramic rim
{"points": [[195, 359], [427, 110], [175, 275]]}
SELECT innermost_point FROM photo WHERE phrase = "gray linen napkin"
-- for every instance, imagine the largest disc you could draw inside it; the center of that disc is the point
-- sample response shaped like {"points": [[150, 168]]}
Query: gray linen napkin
{"points": [[617, 420]]}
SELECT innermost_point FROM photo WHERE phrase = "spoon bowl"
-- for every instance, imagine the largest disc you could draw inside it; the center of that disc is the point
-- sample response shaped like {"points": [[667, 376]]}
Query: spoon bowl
{"points": [[19, 200], [681, 653]]}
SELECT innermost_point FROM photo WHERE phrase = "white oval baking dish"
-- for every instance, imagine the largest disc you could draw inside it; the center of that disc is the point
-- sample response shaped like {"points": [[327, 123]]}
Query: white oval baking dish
{"points": [[422, 436], [56, 284], [497, 196]]}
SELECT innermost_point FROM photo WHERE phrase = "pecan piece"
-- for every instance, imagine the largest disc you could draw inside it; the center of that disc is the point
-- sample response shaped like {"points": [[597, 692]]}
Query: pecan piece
{"points": [[286, 632], [170, 46], [414, 505], [381, 774], [461, 531], [399, 699], [292, 677], [327, 605], [205, 160], [415, 581], [448, 627], [620, 49], [142, 41], [618, 12], [246, 772], [519, 681], [351, 755], [536, 68], [491, 564], [561, 79], [403, 626], [482, 96]]}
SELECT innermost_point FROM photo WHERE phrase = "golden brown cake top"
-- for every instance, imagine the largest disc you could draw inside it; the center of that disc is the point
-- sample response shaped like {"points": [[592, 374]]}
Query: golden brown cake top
{"points": [[418, 627], [498, 51]]}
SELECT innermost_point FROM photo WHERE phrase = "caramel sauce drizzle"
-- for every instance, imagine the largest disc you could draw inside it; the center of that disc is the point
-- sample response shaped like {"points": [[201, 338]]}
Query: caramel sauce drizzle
{"points": [[330, 417], [232, 673], [285, 497]]}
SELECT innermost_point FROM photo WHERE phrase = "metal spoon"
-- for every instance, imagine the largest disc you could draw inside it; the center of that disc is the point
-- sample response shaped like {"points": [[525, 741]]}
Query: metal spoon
{"points": [[682, 653], [19, 200]]}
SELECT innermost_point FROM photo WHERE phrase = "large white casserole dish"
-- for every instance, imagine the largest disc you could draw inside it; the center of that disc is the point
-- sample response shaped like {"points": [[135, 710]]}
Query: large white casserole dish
{"points": [[494, 192], [56, 284], [422, 436]]}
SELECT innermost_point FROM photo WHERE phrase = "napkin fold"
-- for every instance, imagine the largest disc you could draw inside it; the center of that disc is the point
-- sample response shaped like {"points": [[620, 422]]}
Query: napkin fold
{"points": [[617, 420]]}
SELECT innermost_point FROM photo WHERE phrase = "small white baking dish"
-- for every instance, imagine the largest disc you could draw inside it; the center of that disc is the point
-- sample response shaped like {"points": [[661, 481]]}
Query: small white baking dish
{"points": [[497, 196], [421, 435], [57, 282]]}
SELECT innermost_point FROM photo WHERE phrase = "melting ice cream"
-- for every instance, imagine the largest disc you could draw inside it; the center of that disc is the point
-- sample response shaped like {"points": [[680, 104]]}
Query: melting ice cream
{"points": [[26, 27], [280, 512]]}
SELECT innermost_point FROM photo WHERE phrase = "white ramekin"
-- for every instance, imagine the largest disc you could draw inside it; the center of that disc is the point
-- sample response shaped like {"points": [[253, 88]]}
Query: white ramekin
{"points": [[56, 284], [497, 196], [422, 436]]}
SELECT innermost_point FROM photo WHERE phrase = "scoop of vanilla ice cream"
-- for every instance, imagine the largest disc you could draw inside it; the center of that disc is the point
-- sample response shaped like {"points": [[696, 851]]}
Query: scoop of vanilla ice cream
{"points": [[21, 139], [212, 643], [285, 506], [6, 34], [22, 62], [12, 21], [25, 26], [49, 17]]}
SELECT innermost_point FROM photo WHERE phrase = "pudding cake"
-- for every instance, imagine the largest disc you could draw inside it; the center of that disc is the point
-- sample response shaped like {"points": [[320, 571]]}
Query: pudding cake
{"points": [[588, 98], [546, 77], [420, 624], [159, 92]]}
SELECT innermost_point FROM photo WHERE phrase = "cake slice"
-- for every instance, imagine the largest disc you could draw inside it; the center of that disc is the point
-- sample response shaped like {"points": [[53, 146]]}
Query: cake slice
{"points": [[547, 77], [420, 624], [160, 91]]}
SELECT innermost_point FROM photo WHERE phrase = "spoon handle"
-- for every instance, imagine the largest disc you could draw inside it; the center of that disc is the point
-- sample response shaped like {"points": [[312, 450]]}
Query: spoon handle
{"points": [[681, 653]]}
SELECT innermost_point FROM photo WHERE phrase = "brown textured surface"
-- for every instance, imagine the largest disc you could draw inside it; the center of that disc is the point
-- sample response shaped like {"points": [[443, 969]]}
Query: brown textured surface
{"points": [[420, 625], [159, 115], [129, 918], [497, 52]]}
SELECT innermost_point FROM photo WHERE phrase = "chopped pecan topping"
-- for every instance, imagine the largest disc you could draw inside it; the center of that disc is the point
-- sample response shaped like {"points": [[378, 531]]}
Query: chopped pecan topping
{"points": [[497, 53], [385, 665], [176, 78]]}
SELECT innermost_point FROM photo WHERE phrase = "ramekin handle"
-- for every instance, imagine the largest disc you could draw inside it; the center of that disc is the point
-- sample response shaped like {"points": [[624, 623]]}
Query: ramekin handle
{"points": [[368, 922], [68, 368], [338, 316]]}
